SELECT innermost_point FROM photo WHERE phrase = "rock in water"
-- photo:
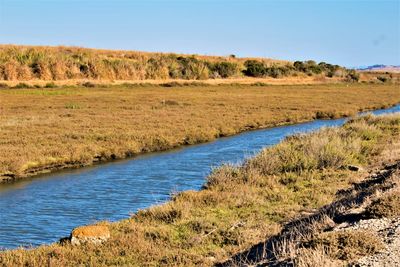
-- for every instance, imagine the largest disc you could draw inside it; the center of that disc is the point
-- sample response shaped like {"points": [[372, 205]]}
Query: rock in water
{"points": [[95, 234]]}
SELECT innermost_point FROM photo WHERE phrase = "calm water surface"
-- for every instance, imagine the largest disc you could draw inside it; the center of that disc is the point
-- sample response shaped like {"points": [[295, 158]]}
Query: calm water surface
{"points": [[43, 209]]}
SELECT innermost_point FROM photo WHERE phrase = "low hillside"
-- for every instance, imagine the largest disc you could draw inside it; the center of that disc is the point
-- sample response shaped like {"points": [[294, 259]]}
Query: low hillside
{"points": [[25, 63]]}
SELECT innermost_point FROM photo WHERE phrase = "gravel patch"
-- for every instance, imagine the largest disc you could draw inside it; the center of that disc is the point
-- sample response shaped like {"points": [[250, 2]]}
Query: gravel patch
{"points": [[389, 232]]}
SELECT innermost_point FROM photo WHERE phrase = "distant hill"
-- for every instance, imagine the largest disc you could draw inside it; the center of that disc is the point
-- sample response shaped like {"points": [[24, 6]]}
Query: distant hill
{"points": [[381, 68]]}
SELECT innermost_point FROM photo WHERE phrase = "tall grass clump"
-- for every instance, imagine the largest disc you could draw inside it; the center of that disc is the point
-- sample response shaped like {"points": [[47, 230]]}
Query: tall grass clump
{"points": [[387, 206], [330, 148], [348, 245], [298, 153]]}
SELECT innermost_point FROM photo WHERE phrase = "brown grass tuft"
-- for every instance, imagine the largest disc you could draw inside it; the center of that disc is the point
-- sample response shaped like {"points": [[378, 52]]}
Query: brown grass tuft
{"points": [[348, 245], [315, 257], [386, 206]]}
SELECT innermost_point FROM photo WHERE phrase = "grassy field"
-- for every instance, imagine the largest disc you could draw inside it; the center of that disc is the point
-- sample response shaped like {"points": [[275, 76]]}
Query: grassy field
{"points": [[46, 129], [239, 205]]}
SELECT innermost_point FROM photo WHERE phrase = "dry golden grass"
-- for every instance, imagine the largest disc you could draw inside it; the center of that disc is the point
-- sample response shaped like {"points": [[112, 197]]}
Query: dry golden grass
{"points": [[44, 129], [239, 206], [108, 53]]}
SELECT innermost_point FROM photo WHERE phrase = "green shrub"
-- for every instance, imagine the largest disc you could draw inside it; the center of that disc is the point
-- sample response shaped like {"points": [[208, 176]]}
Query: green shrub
{"points": [[310, 67], [189, 68], [50, 85], [277, 71], [299, 66], [3, 85], [259, 84], [172, 84], [352, 76], [383, 79], [224, 69], [22, 85], [88, 84], [254, 68]]}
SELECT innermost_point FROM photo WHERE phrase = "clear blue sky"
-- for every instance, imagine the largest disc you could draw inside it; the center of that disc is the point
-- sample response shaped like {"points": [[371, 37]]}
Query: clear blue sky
{"points": [[350, 33]]}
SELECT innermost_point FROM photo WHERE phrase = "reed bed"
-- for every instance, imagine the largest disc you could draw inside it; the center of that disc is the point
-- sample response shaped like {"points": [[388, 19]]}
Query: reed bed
{"points": [[25, 63]]}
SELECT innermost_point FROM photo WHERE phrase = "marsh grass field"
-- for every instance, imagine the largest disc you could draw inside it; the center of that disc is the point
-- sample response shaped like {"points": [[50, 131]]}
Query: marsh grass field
{"points": [[47, 129], [240, 205]]}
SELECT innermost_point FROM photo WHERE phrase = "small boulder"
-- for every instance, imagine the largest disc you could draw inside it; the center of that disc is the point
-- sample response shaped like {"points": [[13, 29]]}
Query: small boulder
{"points": [[355, 168], [95, 234]]}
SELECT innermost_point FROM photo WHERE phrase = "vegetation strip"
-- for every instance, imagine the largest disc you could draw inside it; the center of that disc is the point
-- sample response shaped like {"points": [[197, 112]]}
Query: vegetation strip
{"points": [[239, 206], [63, 63]]}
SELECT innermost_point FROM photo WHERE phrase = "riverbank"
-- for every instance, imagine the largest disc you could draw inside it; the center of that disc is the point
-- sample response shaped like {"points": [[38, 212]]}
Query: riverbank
{"points": [[44, 130], [361, 228], [240, 205]]}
